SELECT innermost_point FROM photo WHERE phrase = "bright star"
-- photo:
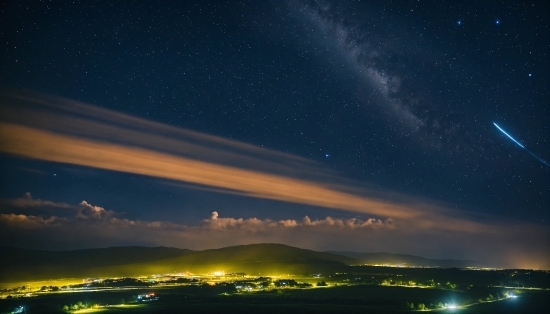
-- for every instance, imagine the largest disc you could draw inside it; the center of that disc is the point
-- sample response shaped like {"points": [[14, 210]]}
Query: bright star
{"points": [[497, 22], [327, 155], [459, 22]]}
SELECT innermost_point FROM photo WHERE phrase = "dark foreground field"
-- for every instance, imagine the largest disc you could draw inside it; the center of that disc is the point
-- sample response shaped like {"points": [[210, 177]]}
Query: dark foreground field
{"points": [[344, 299]]}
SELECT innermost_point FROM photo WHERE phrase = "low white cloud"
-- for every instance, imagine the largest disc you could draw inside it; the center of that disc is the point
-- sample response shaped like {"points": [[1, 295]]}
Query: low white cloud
{"points": [[88, 211], [255, 224]]}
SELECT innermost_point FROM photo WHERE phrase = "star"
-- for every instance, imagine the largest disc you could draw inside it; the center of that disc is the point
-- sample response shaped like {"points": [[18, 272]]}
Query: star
{"points": [[459, 22], [497, 22], [327, 155]]}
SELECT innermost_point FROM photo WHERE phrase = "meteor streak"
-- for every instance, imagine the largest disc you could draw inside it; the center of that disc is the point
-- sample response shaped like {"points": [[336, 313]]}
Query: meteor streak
{"points": [[530, 152], [501, 130]]}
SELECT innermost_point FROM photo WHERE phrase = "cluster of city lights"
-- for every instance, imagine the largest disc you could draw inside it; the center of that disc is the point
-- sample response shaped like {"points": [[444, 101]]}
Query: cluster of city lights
{"points": [[147, 297]]}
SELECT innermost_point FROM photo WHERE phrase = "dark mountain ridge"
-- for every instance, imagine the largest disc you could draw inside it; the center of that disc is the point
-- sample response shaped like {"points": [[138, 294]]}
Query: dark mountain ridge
{"points": [[24, 264], [19, 264]]}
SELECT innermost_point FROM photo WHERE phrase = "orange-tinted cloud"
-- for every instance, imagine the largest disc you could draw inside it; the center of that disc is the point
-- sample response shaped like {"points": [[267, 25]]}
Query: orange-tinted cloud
{"points": [[65, 116], [28, 201], [33, 143]]}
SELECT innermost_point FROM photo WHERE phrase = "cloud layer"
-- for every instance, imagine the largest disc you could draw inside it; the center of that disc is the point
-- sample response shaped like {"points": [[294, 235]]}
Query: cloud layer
{"points": [[87, 225]]}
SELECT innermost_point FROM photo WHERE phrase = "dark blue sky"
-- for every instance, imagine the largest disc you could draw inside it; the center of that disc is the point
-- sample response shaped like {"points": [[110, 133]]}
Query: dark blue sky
{"points": [[397, 96]]}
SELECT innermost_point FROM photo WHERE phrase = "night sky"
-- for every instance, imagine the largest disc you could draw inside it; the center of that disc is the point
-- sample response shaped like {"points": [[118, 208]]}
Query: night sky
{"points": [[328, 125]]}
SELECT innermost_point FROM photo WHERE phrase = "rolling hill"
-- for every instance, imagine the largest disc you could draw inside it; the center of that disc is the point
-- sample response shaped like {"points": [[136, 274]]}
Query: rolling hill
{"points": [[257, 259], [22, 264], [18, 264]]}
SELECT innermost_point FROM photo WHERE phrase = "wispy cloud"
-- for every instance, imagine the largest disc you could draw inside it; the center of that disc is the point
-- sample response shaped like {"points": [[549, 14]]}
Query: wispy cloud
{"points": [[34, 143], [28, 201]]}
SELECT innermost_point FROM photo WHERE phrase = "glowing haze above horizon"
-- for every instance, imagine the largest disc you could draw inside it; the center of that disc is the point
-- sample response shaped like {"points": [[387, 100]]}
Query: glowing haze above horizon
{"points": [[325, 125]]}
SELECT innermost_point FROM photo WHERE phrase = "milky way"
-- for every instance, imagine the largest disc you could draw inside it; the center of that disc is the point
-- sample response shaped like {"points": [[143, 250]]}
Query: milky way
{"points": [[399, 70]]}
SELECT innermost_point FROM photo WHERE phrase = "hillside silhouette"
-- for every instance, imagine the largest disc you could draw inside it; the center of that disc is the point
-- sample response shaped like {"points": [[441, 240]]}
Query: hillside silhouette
{"points": [[265, 259]]}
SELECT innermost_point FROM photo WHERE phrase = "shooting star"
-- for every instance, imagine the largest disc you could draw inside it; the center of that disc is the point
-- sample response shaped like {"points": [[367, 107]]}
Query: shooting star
{"points": [[520, 145], [501, 130]]}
